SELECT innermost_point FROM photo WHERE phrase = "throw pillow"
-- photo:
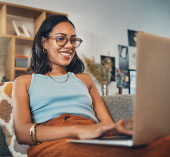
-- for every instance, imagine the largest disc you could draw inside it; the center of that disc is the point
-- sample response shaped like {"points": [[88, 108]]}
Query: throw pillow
{"points": [[6, 120]]}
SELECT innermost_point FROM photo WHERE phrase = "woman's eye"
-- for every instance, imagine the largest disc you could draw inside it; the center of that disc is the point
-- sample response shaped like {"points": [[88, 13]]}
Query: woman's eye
{"points": [[60, 38], [74, 40]]}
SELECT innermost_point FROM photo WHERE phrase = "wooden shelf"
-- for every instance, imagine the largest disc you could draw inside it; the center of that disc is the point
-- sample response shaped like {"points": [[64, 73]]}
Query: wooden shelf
{"points": [[20, 69], [24, 41], [17, 37]]}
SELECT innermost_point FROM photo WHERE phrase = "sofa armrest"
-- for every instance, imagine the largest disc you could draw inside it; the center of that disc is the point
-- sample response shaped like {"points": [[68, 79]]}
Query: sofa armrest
{"points": [[119, 106]]}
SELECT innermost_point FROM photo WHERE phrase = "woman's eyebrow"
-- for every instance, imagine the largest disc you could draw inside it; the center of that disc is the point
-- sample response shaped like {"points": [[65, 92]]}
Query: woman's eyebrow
{"points": [[61, 33], [73, 35], [66, 34]]}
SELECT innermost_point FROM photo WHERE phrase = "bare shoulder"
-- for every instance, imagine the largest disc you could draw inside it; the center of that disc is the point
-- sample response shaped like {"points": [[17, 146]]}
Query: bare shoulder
{"points": [[83, 75], [85, 78], [23, 80]]}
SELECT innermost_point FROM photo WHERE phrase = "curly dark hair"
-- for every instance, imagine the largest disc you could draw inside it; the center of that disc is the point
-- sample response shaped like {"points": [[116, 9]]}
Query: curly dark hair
{"points": [[39, 60]]}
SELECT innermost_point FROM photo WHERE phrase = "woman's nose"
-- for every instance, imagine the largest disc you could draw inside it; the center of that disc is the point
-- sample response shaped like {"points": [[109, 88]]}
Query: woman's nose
{"points": [[68, 44]]}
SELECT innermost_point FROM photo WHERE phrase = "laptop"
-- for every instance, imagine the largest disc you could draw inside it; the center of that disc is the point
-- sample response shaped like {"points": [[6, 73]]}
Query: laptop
{"points": [[152, 98]]}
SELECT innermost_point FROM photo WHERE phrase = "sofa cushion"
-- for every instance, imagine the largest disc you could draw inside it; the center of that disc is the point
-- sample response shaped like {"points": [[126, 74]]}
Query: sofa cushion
{"points": [[6, 120], [119, 106]]}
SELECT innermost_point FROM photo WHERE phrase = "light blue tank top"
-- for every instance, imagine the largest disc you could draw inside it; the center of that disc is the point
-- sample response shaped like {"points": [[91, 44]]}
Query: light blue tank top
{"points": [[50, 99]]}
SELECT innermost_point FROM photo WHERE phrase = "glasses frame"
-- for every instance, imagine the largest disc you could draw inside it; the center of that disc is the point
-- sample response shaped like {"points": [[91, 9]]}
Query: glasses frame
{"points": [[67, 39]]}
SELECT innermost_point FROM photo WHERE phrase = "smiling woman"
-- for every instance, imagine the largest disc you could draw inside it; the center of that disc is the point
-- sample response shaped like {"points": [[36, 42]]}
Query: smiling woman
{"points": [[58, 101], [59, 52]]}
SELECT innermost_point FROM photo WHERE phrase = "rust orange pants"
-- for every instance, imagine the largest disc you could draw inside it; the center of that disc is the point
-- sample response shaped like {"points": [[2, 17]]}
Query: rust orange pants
{"points": [[62, 148]]}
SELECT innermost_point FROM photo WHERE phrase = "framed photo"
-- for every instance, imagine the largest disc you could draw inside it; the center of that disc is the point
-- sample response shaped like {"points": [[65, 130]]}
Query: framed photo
{"points": [[20, 29], [132, 81], [132, 37], [123, 57], [109, 61], [122, 78]]}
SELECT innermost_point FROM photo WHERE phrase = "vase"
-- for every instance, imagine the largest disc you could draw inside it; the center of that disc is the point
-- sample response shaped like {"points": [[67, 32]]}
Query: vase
{"points": [[105, 89]]}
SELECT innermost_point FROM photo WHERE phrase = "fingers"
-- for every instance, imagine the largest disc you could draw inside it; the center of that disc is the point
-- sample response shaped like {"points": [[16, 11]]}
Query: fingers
{"points": [[121, 122], [119, 129], [108, 127], [114, 129], [129, 124]]}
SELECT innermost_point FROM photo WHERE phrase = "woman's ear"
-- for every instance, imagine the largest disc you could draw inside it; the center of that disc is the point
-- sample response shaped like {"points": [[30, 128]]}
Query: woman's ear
{"points": [[44, 42]]}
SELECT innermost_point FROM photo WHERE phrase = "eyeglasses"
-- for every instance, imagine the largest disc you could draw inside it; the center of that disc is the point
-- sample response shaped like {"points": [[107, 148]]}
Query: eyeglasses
{"points": [[61, 40]]}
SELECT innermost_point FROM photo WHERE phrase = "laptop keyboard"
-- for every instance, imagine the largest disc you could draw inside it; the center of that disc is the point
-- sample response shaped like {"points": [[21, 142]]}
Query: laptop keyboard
{"points": [[116, 137]]}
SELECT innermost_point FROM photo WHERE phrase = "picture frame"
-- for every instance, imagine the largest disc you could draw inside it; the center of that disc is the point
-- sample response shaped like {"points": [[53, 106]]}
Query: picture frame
{"points": [[20, 29], [132, 37], [123, 57], [107, 61], [132, 81], [122, 78]]}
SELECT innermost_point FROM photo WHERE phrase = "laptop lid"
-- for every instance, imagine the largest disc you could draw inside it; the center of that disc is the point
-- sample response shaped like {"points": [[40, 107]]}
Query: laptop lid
{"points": [[152, 109]]}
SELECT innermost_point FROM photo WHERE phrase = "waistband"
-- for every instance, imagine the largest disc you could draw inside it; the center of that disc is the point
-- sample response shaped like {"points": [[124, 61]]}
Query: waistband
{"points": [[69, 119]]}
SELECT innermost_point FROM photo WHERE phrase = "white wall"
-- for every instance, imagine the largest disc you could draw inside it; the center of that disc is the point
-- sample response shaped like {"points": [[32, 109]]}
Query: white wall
{"points": [[103, 24]]}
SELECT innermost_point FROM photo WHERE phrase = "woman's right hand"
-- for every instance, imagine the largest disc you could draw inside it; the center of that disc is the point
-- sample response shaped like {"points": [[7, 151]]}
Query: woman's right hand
{"points": [[100, 129]]}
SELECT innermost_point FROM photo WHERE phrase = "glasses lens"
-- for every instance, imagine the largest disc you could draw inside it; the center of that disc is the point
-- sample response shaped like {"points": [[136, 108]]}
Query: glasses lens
{"points": [[61, 40], [76, 42]]}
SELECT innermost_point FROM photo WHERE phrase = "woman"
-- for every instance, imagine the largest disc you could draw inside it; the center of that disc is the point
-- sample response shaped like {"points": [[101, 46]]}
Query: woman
{"points": [[57, 86], [58, 101]]}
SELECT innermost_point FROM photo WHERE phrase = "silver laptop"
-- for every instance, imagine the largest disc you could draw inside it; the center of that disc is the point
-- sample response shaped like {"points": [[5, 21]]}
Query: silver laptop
{"points": [[152, 103]]}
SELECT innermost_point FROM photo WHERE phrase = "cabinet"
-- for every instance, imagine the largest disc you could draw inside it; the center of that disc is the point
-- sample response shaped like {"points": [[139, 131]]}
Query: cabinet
{"points": [[12, 44]]}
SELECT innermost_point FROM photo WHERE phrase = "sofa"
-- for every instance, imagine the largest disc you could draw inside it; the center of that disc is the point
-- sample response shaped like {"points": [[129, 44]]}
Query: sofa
{"points": [[119, 106]]}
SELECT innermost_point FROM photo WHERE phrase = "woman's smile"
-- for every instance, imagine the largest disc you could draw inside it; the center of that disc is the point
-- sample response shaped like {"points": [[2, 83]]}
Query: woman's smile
{"points": [[66, 54]]}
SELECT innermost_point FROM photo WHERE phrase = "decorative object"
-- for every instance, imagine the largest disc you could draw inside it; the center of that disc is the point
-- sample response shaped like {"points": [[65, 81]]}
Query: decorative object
{"points": [[102, 73], [123, 57], [4, 79], [109, 61], [20, 29], [132, 81], [122, 78], [132, 37], [21, 61]]}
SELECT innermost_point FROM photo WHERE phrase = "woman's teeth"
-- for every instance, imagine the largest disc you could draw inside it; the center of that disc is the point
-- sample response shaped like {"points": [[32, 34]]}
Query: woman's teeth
{"points": [[65, 54]]}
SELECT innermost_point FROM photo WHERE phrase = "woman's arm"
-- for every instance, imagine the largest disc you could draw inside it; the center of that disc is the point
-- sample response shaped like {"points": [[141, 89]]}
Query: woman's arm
{"points": [[100, 108]]}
